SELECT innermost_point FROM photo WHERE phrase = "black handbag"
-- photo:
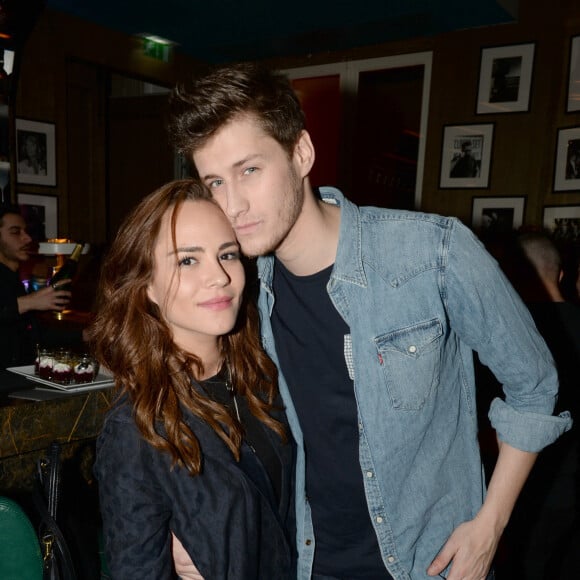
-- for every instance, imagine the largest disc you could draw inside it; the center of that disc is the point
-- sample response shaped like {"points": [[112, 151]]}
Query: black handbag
{"points": [[57, 560]]}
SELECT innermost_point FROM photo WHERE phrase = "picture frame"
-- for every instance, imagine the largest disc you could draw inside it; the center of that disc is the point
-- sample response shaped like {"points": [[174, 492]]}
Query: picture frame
{"points": [[573, 100], [41, 215], [562, 221], [35, 152], [497, 215], [505, 78], [466, 156], [567, 162]]}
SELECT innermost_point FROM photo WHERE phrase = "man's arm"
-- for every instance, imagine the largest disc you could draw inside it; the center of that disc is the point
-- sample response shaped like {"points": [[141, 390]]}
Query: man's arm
{"points": [[473, 544], [48, 298]]}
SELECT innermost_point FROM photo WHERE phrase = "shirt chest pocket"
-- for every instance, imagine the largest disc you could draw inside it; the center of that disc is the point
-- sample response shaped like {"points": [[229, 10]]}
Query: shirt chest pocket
{"points": [[410, 359]]}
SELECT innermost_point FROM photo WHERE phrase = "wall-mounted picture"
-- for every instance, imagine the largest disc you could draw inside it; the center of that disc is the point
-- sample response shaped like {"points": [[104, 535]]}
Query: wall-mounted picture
{"points": [[574, 76], [497, 215], [5, 194], [41, 215], [567, 169], [505, 78], [563, 222], [466, 156], [35, 152]]}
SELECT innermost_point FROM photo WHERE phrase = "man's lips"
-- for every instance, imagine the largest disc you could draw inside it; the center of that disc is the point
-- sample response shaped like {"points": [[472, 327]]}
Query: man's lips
{"points": [[245, 229]]}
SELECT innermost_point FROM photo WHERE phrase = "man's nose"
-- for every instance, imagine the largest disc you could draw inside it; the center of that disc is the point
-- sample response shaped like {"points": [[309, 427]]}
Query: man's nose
{"points": [[236, 202]]}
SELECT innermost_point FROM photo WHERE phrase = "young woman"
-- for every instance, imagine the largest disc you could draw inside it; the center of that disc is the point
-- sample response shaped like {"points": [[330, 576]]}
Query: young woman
{"points": [[193, 462]]}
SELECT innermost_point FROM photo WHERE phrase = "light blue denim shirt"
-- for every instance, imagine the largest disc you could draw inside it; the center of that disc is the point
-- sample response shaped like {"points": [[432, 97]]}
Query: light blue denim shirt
{"points": [[419, 294]]}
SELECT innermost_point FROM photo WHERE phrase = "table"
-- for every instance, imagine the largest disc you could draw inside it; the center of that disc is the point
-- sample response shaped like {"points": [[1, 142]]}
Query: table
{"points": [[28, 427]]}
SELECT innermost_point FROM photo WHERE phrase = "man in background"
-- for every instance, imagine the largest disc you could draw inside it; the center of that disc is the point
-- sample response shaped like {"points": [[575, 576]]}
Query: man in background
{"points": [[20, 332], [544, 533]]}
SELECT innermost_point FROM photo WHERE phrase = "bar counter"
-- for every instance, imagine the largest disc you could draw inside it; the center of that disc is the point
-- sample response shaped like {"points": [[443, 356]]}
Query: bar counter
{"points": [[29, 426]]}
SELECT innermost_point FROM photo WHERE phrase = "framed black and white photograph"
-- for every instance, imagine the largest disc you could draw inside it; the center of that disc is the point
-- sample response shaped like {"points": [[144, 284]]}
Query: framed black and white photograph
{"points": [[35, 152], [563, 222], [40, 213], [573, 103], [505, 78], [5, 194], [567, 169], [497, 215], [466, 156]]}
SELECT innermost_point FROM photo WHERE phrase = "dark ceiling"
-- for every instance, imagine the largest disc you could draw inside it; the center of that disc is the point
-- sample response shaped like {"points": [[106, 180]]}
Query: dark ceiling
{"points": [[219, 31]]}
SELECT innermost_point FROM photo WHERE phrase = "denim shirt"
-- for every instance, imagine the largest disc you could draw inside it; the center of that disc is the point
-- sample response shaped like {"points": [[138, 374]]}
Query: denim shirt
{"points": [[419, 294]]}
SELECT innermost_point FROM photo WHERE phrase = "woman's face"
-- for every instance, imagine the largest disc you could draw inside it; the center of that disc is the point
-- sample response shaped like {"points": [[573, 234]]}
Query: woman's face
{"points": [[199, 287]]}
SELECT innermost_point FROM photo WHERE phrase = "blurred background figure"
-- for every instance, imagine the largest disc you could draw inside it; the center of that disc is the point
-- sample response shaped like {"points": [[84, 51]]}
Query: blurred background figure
{"points": [[20, 331], [542, 537]]}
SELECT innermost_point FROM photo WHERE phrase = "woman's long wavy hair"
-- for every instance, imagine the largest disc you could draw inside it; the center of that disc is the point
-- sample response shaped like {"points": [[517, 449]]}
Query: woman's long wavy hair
{"points": [[133, 340]]}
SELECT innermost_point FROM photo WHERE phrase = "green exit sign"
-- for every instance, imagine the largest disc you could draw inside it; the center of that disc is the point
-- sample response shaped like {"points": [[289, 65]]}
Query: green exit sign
{"points": [[156, 50]]}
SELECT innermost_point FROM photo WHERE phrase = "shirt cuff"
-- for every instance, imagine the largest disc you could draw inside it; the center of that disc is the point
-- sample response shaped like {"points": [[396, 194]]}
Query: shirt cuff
{"points": [[524, 430]]}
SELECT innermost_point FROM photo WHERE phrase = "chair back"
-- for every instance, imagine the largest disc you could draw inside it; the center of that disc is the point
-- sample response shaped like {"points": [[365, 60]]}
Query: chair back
{"points": [[20, 557]]}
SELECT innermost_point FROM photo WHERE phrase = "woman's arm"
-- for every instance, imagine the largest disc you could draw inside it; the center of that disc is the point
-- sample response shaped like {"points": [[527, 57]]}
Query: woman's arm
{"points": [[135, 510]]}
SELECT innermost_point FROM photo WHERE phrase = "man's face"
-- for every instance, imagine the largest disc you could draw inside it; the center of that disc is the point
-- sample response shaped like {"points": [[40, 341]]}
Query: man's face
{"points": [[14, 241], [256, 183]]}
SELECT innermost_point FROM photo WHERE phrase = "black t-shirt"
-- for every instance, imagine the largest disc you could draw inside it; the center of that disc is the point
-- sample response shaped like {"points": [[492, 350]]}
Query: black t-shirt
{"points": [[310, 342], [19, 333]]}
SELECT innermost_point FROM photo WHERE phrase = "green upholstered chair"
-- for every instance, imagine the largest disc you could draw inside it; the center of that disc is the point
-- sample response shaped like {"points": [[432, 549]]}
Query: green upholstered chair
{"points": [[20, 557]]}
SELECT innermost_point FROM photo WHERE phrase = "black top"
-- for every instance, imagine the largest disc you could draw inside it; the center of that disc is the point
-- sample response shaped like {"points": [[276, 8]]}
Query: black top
{"points": [[219, 390], [310, 340], [20, 333]]}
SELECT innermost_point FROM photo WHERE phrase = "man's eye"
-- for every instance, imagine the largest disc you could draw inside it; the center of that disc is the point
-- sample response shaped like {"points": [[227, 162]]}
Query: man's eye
{"points": [[250, 170]]}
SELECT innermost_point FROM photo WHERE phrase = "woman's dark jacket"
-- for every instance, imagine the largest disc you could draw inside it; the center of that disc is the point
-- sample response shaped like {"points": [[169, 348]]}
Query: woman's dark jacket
{"points": [[226, 517]]}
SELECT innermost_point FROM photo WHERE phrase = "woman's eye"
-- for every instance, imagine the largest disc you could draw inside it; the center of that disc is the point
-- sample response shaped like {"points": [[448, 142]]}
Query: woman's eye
{"points": [[187, 261], [231, 256]]}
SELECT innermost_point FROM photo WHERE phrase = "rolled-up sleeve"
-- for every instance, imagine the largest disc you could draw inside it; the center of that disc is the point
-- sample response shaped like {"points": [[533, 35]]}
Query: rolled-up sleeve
{"points": [[490, 317], [513, 426]]}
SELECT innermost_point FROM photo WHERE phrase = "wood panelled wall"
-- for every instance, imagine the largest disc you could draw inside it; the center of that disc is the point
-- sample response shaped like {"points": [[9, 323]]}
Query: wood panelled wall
{"points": [[523, 147], [64, 79]]}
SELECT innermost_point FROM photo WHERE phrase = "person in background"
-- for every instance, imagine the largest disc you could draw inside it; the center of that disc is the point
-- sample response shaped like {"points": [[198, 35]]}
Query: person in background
{"points": [[372, 316], [543, 534], [20, 331], [570, 251], [194, 465]]}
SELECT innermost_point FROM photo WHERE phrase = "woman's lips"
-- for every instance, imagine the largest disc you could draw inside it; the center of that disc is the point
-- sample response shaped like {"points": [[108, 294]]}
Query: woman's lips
{"points": [[220, 303]]}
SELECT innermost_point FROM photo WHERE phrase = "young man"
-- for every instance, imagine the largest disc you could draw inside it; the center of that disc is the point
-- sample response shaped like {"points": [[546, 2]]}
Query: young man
{"points": [[371, 316], [19, 330]]}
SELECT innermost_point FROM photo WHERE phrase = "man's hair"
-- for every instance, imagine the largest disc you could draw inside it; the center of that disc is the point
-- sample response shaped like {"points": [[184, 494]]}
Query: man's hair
{"points": [[542, 254], [8, 209], [213, 100]]}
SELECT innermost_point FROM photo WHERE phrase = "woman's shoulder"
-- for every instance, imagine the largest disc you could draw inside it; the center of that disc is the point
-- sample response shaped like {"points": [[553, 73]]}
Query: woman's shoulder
{"points": [[121, 411]]}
